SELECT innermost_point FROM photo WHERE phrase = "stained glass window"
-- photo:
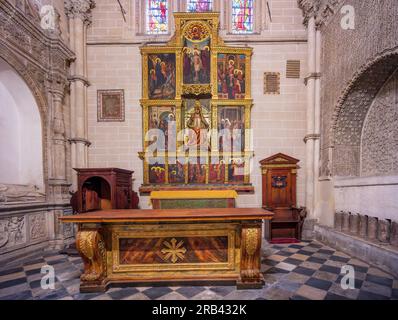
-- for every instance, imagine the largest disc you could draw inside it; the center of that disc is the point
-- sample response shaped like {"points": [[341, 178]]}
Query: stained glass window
{"points": [[199, 5], [157, 16], [242, 16]]}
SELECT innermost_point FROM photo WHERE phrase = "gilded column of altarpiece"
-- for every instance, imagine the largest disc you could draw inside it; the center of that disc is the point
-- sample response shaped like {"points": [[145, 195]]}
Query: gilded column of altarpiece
{"points": [[196, 109]]}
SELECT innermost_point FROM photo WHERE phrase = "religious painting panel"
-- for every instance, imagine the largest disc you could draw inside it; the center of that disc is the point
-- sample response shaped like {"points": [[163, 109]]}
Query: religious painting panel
{"points": [[162, 76], [197, 170], [196, 54], [217, 171], [110, 106], [231, 128], [161, 118], [236, 171], [197, 122], [176, 170], [157, 172], [231, 76]]}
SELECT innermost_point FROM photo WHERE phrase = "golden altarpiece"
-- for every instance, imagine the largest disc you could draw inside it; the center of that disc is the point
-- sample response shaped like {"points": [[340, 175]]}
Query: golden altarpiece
{"points": [[196, 110]]}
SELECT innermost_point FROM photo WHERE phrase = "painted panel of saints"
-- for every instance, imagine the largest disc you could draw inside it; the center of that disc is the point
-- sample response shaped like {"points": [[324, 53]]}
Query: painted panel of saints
{"points": [[197, 119], [231, 128], [217, 172], [157, 173], [176, 171], [196, 58], [231, 77], [162, 76], [197, 170], [236, 171], [163, 119]]}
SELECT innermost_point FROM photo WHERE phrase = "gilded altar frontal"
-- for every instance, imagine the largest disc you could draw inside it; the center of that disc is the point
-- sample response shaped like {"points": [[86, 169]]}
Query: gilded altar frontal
{"points": [[215, 150], [196, 109]]}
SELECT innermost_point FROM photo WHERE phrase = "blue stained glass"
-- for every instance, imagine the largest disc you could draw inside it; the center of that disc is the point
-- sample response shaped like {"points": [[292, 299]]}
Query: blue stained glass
{"points": [[157, 15], [199, 5], [242, 16]]}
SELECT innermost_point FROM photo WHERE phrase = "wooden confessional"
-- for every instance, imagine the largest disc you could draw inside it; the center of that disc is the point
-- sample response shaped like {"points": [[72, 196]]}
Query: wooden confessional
{"points": [[279, 175]]}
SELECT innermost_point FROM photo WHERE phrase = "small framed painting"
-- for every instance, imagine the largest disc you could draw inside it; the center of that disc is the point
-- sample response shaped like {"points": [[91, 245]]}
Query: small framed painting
{"points": [[110, 105]]}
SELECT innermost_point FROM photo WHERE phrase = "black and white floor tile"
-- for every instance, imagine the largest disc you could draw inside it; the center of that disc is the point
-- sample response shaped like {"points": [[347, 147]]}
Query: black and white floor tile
{"points": [[303, 271]]}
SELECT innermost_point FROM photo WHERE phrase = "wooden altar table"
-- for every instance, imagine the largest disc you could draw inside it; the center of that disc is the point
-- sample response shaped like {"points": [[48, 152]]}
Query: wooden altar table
{"points": [[176, 245]]}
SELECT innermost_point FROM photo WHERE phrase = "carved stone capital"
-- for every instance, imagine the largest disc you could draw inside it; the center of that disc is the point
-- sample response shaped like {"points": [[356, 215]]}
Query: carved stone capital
{"points": [[79, 9], [321, 10]]}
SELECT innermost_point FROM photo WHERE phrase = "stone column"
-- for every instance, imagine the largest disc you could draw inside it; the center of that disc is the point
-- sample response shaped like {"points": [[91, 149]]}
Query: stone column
{"points": [[79, 14], [309, 198], [57, 175]]}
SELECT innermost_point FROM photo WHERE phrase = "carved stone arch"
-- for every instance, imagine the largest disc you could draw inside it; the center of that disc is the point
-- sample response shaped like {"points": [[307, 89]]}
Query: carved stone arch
{"points": [[351, 110], [38, 91]]}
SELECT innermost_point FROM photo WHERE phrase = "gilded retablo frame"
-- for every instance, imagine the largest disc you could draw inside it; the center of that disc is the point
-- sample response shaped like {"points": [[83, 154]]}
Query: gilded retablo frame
{"points": [[191, 82]]}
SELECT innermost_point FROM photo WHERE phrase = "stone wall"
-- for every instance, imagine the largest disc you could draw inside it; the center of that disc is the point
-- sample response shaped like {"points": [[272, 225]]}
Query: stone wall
{"points": [[279, 121], [346, 54], [356, 65], [29, 218]]}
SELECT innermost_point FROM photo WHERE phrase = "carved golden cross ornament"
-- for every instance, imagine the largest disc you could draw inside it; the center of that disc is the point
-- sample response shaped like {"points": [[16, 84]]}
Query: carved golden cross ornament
{"points": [[173, 250]]}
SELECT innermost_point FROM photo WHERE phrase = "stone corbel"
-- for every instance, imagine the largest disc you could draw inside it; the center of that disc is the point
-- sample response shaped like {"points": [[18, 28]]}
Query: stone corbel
{"points": [[312, 136], [80, 78], [313, 75], [80, 140]]}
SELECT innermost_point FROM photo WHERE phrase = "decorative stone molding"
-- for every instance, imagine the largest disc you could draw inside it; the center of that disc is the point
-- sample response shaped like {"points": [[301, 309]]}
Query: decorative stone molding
{"points": [[79, 9], [382, 231], [352, 108]]}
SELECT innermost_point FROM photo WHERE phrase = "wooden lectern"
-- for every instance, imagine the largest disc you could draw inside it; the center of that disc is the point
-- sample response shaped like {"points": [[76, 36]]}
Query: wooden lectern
{"points": [[104, 189], [279, 175]]}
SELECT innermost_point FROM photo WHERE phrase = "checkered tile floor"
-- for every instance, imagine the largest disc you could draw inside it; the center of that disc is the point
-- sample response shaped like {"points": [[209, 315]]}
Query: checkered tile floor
{"points": [[307, 270]]}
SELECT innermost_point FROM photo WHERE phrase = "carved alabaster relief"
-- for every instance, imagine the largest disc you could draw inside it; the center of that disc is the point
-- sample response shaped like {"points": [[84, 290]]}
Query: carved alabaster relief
{"points": [[38, 226], [20, 193], [12, 232]]}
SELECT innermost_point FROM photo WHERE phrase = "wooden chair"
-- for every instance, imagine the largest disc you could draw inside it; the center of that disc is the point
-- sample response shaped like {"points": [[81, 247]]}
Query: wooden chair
{"points": [[279, 180]]}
